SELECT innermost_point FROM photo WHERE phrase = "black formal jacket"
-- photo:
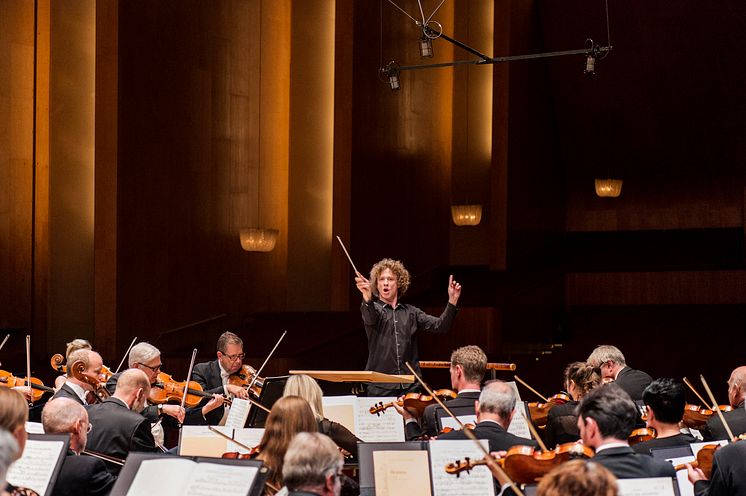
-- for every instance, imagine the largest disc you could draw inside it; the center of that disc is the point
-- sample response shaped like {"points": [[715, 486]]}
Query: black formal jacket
{"points": [[66, 392], [83, 476], [429, 425], [117, 430], [207, 374], [664, 442], [341, 436], [562, 425], [633, 382], [499, 438], [728, 476], [624, 463], [736, 419]]}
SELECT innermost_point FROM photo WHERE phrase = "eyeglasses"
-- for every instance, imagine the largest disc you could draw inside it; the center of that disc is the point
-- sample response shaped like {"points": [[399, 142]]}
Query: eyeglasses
{"points": [[237, 356], [90, 427], [154, 369]]}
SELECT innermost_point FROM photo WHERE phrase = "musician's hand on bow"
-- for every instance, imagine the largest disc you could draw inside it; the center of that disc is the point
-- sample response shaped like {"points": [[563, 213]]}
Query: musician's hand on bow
{"points": [[25, 391], [363, 285], [175, 411], [237, 391], [216, 401], [454, 291]]}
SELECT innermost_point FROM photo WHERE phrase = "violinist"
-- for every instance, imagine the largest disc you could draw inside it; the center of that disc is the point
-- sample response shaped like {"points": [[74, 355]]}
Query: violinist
{"points": [[664, 400], [79, 475], [13, 418], [606, 417], [391, 326], [307, 388], [74, 345], [76, 389], [610, 360], [312, 466], [736, 418], [495, 410], [117, 427], [213, 376], [728, 475], [562, 420], [468, 365], [8, 454]]}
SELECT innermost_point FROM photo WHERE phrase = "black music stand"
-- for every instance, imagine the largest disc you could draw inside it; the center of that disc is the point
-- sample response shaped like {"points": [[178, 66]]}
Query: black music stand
{"points": [[271, 392], [365, 459], [65, 440]]}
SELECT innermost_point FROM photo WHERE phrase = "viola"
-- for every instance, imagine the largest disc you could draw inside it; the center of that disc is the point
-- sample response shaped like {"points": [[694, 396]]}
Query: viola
{"points": [[704, 459], [167, 389], [235, 455], [696, 417], [414, 401], [539, 412], [446, 430], [37, 386], [57, 364], [525, 464], [244, 377], [641, 435]]}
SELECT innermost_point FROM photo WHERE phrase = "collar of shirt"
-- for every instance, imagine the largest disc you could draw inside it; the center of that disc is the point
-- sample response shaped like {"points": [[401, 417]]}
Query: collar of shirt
{"points": [[120, 401], [615, 444], [223, 374], [469, 391], [78, 390]]}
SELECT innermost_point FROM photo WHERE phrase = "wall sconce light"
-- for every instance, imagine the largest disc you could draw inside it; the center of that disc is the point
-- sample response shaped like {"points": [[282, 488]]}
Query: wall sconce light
{"points": [[466, 215], [391, 72], [426, 46], [611, 188], [258, 239]]}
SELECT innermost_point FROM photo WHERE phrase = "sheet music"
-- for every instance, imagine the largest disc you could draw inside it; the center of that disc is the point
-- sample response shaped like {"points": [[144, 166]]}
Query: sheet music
{"points": [[386, 427], [477, 482], [465, 419], [519, 424], [652, 486], [401, 472], [686, 488], [198, 440], [34, 428], [238, 413], [34, 469], [168, 477]]}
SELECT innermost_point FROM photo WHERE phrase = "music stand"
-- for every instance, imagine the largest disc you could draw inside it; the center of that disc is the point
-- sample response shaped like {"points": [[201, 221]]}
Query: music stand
{"points": [[271, 392], [671, 452], [365, 460], [458, 411], [27, 464]]}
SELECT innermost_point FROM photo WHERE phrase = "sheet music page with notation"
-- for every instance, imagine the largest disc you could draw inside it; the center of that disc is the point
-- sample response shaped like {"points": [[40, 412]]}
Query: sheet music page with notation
{"points": [[477, 482], [519, 424], [34, 469], [182, 477], [354, 413], [651, 486], [401, 472]]}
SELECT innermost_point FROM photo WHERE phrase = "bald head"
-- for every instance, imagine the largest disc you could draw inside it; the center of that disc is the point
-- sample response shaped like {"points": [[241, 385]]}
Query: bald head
{"points": [[61, 414], [131, 380], [737, 386], [91, 360]]}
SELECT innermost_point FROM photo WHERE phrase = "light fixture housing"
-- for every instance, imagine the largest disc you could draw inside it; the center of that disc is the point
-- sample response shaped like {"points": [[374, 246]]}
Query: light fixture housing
{"points": [[426, 47], [466, 215], [611, 188], [258, 239]]}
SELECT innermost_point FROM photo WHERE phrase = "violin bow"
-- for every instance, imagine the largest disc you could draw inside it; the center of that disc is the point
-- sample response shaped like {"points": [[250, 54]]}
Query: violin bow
{"points": [[688, 383], [530, 388], [7, 336], [258, 372], [28, 369], [715, 407], [189, 378], [229, 438], [348, 256], [491, 462], [125, 355]]}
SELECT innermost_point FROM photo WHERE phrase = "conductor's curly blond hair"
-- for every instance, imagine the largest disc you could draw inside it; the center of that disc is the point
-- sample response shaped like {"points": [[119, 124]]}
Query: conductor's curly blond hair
{"points": [[395, 266]]}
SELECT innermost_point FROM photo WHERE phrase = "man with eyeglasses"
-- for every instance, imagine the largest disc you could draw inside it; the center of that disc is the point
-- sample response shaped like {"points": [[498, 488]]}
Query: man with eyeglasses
{"points": [[312, 466], [79, 475], [213, 376]]}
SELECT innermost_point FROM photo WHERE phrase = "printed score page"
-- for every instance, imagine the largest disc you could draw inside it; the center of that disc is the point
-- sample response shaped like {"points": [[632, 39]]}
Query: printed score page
{"points": [[199, 440], [168, 477], [519, 424], [686, 488], [34, 469], [652, 486], [477, 482], [354, 413], [238, 413], [401, 472]]}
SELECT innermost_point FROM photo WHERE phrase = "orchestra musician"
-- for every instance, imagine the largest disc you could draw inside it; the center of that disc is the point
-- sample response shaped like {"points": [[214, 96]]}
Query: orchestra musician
{"points": [[289, 416], [664, 400], [13, 418], [468, 365], [578, 478], [76, 389], [728, 475], [74, 345], [312, 466], [307, 388], [118, 428], [495, 408], [606, 417], [213, 376], [562, 420], [391, 326], [8, 454], [79, 475], [610, 360], [736, 418]]}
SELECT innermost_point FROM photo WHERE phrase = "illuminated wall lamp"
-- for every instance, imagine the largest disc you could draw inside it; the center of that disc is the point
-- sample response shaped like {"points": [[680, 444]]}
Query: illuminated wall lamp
{"points": [[611, 188], [258, 239], [466, 215]]}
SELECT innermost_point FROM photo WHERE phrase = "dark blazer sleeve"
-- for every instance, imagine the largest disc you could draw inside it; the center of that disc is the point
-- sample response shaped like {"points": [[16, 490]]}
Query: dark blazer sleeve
{"points": [[340, 435], [142, 438]]}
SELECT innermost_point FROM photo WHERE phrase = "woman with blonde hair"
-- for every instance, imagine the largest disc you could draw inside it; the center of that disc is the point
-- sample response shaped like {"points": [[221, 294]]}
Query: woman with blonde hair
{"points": [[308, 389], [289, 416], [13, 418]]}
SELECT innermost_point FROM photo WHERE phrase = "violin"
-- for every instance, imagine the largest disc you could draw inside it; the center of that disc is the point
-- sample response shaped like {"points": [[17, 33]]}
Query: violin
{"points": [[525, 464], [244, 377], [37, 387], [446, 430], [167, 389], [57, 364], [414, 401], [641, 435], [539, 412], [696, 417], [235, 455]]}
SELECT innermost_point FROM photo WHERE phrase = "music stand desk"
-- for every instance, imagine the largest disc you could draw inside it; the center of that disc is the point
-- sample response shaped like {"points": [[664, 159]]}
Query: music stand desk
{"points": [[355, 376]]}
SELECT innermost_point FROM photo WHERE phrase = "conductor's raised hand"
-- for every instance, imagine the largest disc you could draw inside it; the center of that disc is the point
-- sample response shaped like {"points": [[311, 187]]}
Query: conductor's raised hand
{"points": [[454, 291], [363, 285]]}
